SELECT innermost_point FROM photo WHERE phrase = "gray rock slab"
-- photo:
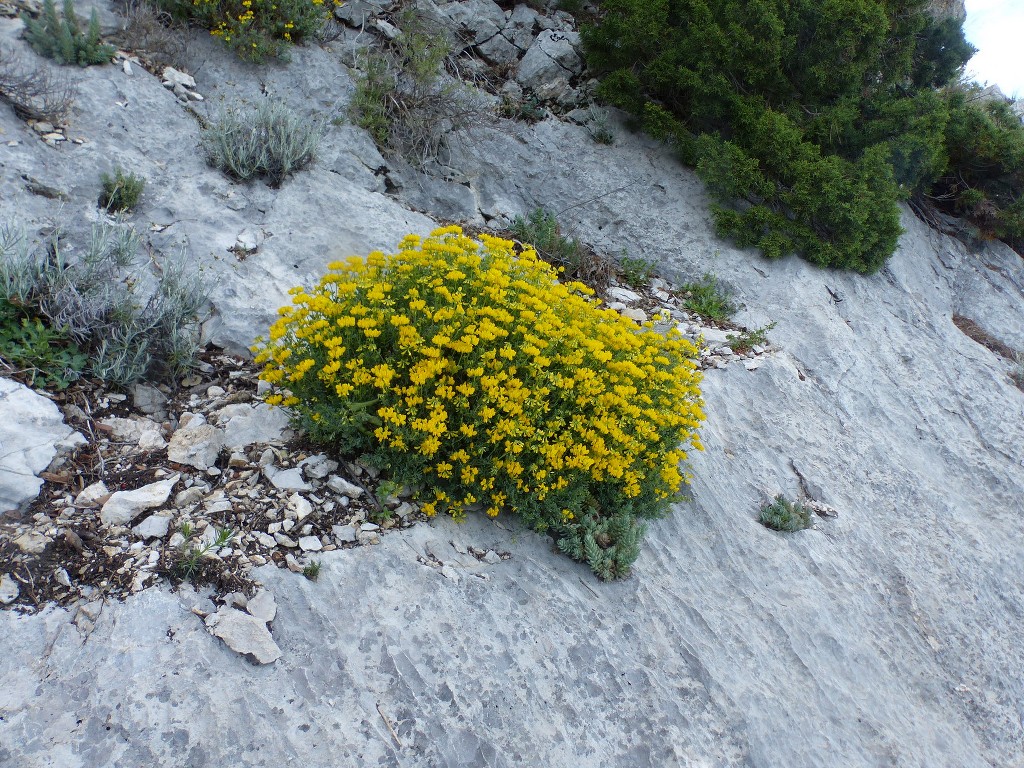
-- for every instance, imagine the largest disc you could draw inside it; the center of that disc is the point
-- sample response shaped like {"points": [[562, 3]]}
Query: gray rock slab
{"points": [[244, 634], [31, 429], [124, 506]]}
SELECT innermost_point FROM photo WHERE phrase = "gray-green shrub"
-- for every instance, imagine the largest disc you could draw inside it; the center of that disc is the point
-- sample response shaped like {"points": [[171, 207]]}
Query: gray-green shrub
{"points": [[95, 296], [269, 141]]}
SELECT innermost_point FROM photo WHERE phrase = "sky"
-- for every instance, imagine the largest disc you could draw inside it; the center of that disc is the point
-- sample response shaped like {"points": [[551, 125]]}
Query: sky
{"points": [[996, 28]]}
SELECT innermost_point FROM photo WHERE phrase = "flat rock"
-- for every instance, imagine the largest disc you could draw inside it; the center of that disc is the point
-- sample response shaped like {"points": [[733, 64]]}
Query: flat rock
{"points": [[245, 424], [244, 634], [287, 479], [198, 444], [262, 606], [343, 487], [31, 430], [124, 506], [153, 527], [9, 589]]}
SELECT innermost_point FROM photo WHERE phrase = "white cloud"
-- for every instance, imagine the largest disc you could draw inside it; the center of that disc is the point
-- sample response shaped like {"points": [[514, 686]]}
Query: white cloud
{"points": [[996, 29]]}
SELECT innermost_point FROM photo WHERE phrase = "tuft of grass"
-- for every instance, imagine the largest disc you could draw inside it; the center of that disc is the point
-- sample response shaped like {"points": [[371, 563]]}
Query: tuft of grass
{"points": [[636, 271], [269, 142], [120, 192], [312, 570], [189, 560], [59, 36], [784, 515], [708, 298], [542, 230], [747, 340]]}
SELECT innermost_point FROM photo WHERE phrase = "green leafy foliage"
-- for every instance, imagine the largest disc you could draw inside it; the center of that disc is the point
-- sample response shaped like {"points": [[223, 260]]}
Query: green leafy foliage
{"points": [[120, 192], [468, 372], [787, 516], [747, 340], [636, 270], [189, 560], [540, 228], [60, 37], [806, 120], [45, 354]]}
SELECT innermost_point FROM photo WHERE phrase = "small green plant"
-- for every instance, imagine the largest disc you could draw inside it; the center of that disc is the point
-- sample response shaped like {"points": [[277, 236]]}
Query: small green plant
{"points": [[190, 559], [468, 371], [405, 98], [636, 271], [45, 354], [269, 142], [747, 340], [708, 298], [529, 108], [784, 515], [61, 38], [542, 230], [312, 570], [120, 192], [256, 29]]}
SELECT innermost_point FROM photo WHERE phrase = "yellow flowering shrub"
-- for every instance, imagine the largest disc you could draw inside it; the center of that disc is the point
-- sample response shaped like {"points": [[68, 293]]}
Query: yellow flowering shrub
{"points": [[469, 372], [256, 29]]}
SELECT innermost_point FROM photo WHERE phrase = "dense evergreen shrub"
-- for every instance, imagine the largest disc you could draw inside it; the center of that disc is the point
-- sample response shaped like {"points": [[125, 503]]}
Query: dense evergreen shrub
{"points": [[60, 37], [808, 120], [469, 372], [984, 180]]}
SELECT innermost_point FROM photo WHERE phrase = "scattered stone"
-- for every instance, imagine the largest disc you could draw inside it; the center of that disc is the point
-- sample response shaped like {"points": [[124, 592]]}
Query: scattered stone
{"points": [[287, 479], [151, 440], [153, 527], [245, 424], [635, 314], [122, 507], [344, 534], [262, 606], [343, 487], [310, 544], [198, 444], [9, 589], [32, 543], [623, 294], [298, 507], [491, 557], [285, 541], [244, 633], [92, 495]]}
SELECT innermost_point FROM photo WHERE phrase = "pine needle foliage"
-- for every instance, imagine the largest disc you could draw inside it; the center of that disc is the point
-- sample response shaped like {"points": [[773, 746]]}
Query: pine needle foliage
{"points": [[60, 37], [808, 121]]}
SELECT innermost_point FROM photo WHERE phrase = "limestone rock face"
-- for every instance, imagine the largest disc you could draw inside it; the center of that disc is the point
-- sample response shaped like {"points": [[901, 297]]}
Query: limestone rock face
{"points": [[887, 635]]}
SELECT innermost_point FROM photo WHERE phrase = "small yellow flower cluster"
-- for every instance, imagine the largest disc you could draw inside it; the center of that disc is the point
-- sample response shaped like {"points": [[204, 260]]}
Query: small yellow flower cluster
{"points": [[256, 29], [471, 369]]}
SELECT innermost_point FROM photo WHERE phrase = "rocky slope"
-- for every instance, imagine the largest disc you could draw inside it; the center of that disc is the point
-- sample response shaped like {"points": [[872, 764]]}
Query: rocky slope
{"points": [[886, 636]]}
